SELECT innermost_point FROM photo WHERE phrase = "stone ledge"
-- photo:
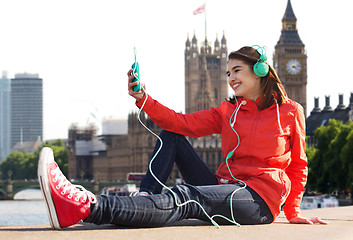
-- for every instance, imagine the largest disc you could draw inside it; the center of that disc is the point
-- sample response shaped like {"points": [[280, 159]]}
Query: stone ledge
{"points": [[340, 227]]}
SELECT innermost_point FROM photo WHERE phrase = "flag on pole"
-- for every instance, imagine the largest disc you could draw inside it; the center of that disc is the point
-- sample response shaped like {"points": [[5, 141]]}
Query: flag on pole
{"points": [[199, 10]]}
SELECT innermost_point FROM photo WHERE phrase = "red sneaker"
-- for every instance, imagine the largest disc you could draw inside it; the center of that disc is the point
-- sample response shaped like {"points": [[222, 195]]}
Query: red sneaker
{"points": [[66, 204]]}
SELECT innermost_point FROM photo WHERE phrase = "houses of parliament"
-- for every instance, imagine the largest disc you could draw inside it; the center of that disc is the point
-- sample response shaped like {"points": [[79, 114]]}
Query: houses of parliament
{"points": [[113, 156]]}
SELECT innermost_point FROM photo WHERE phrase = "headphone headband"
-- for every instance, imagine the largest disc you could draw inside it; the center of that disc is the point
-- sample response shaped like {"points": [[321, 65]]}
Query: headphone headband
{"points": [[261, 51], [261, 67]]}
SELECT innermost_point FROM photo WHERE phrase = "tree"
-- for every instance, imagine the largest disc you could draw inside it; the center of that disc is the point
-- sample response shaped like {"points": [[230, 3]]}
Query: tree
{"points": [[310, 153], [24, 165], [347, 161], [337, 169], [330, 162], [16, 165]]}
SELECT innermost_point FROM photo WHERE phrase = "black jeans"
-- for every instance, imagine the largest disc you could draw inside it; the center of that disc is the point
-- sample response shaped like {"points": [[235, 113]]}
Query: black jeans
{"points": [[202, 186]]}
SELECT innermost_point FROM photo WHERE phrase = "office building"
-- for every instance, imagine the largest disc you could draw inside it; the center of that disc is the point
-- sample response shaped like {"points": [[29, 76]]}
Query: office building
{"points": [[5, 90], [26, 108]]}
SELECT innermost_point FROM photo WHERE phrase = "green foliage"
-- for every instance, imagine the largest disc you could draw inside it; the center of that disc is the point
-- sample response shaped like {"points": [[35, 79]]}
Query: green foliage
{"points": [[310, 153], [347, 160], [331, 162], [19, 165], [15, 166], [60, 154]]}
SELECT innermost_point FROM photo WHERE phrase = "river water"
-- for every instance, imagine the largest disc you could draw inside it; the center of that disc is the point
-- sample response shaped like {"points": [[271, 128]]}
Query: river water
{"points": [[27, 209]]}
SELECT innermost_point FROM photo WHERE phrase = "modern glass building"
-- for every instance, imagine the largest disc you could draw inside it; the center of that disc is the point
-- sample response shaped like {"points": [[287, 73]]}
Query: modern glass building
{"points": [[5, 97], [26, 108]]}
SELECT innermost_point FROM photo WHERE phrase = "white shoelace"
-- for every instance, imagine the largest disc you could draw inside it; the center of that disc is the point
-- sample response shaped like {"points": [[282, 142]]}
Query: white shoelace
{"points": [[71, 188]]}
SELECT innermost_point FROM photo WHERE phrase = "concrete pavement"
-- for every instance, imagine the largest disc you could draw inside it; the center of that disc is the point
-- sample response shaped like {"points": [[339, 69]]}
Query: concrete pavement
{"points": [[340, 227]]}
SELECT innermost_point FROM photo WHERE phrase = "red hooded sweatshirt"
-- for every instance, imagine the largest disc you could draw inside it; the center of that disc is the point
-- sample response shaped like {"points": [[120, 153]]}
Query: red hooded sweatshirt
{"points": [[270, 157]]}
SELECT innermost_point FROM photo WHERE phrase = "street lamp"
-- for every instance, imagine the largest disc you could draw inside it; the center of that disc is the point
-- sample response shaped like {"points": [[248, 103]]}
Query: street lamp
{"points": [[9, 174]]}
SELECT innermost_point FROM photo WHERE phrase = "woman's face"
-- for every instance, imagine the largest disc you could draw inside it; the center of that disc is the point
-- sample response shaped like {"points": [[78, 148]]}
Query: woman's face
{"points": [[243, 80]]}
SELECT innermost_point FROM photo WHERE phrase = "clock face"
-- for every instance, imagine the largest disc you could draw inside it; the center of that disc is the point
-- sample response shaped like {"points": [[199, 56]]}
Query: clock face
{"points": [[293, 66]]}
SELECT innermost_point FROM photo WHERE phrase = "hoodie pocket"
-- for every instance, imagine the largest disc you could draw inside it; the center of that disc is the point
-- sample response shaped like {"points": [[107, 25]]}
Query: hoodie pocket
{"points": [[281, 161], [285, 189]]}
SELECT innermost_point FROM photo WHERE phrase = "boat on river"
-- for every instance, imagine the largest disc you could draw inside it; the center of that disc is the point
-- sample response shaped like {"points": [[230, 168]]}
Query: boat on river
{"points": [[119, 191], [321, 201]]}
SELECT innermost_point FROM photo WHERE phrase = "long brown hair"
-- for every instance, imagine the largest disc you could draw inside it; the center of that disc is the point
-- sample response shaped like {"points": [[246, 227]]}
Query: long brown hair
{"points": [[271, 85]]}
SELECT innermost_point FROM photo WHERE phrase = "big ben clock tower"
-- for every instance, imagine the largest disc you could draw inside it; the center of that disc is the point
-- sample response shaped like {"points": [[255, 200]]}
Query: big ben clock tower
{"points": [[290, 60]]}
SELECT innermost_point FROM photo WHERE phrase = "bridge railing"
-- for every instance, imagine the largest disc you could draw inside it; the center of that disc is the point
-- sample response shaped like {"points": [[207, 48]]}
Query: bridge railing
{"points": [[9, 188]]}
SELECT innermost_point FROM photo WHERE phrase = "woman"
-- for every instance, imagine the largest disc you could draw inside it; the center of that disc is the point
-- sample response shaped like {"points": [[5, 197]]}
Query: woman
{"points": [[263, 142]]}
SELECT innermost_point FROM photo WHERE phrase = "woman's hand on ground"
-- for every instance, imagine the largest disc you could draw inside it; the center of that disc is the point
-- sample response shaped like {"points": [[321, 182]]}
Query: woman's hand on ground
{"points": [[310, 220]]}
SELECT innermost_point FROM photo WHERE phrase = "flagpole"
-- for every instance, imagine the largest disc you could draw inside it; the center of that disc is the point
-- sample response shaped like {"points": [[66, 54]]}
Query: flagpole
{"points": [[205, 29], [205, 21]]}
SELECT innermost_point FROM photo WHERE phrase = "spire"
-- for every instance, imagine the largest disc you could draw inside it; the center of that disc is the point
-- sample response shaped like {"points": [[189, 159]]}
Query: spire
{"points": [[206, 44], [206, 47], [289, 34], [194, 39], [224, 40], [205, 98], [289, 14], [187, 43], [216, 43]]}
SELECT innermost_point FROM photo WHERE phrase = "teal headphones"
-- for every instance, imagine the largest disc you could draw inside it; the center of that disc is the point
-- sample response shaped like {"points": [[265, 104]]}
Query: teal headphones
{"points": [[261, 68]]}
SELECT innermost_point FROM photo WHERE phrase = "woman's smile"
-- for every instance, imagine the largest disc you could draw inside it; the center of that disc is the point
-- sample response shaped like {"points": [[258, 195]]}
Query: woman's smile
{"points": [[236, 85]]}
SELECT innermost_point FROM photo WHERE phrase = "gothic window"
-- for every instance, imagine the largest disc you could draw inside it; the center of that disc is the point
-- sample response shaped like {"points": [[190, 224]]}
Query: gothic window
{"points": [[290, 27], [215, 93], [297, 93]]}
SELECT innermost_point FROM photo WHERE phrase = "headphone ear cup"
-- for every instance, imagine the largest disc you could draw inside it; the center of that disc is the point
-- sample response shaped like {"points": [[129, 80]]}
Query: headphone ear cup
{"points": [[261, 69]]}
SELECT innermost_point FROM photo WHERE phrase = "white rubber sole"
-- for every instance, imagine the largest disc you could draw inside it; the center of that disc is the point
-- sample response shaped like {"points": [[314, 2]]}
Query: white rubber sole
{"points": [[46, 156]]}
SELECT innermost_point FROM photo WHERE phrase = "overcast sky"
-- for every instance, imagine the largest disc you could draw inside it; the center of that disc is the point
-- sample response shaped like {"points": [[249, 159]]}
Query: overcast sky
{"points": [[83, 48]]}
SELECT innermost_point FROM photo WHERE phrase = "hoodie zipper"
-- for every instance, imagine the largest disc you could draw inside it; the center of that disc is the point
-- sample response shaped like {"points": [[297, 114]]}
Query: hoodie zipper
{"points": [[252, 136]]}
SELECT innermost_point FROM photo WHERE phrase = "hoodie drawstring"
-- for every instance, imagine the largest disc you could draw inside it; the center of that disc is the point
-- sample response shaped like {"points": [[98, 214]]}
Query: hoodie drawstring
{"points": [[236, 112], [244, 102], [278, 117]]}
